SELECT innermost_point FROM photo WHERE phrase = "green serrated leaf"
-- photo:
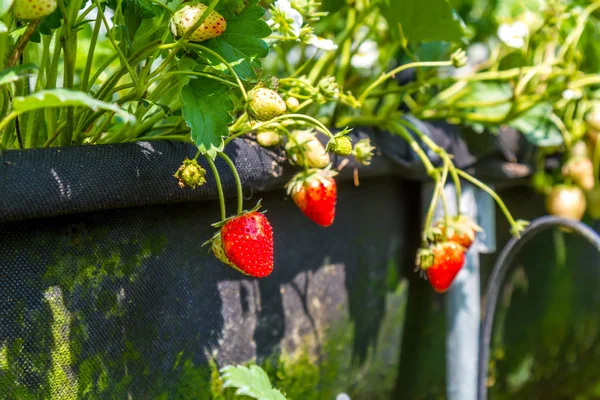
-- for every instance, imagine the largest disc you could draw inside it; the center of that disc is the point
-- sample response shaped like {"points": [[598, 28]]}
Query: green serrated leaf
{"points": [[510, 9], [16, 73], [252, 382], [241, 44], [206, 110], [537, 127], [489, 92], [424, 20], [66, 98], [332, 6]]}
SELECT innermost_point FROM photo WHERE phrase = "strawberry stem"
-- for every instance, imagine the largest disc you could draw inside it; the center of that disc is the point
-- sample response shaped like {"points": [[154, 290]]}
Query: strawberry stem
{"points": [[514, 225], [443, 154], [219, 186], [596, 161], [386, 76], [432, 206], [222, 60], [291, 138], [443, 192], [22, 42], [238, 183], [317, 124]]}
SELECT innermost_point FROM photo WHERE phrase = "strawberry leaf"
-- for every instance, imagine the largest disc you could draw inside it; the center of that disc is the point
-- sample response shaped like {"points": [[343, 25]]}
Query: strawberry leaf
{"points": [[206, 110], [241, 44], [252, 382], [440, 22], [537, 126]]}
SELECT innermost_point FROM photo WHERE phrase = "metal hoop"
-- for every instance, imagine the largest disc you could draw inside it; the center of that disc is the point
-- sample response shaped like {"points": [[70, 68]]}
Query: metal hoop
{"points": [[503, 263]]}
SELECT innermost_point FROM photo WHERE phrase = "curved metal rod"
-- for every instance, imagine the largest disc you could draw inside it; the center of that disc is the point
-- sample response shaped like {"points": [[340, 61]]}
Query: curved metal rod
{"points": [[503, 263]]}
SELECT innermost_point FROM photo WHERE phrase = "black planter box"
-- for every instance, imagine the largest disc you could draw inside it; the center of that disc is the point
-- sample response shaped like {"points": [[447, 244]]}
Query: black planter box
{"points": [[106, 292]]}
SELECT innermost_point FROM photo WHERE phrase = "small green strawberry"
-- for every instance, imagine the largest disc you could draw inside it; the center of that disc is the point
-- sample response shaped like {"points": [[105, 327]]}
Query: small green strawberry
{"points": [[33, 9], [265, 104], [340, 145], [187, 16]]}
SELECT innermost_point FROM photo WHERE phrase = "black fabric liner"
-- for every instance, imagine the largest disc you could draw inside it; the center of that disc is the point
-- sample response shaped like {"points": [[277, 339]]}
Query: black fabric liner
{"points": [[39, 183]]}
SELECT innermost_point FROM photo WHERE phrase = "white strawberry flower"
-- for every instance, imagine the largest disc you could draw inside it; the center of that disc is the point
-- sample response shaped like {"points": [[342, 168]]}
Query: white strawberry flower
{"points": [[513, 35], [572, 94], [322, 43], [366, 56], [285, 18]]}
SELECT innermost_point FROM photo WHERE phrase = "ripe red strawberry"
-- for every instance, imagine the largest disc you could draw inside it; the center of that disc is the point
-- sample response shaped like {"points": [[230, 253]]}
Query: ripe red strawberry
{"points": [[29, 9], [441, 262], [315, 194], [265, 104], [247, 243], [461, 230], [187, 16]]}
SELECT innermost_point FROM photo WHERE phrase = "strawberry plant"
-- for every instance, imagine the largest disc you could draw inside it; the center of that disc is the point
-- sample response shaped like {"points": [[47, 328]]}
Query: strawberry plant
{"points": [[299, 75]]}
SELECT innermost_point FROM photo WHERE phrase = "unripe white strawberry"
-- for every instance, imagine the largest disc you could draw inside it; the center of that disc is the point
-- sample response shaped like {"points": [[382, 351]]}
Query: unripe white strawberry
{"points": [[268, 138], [303, 148], [265, 104], [187, 16], [33, 9], [292, 103]]}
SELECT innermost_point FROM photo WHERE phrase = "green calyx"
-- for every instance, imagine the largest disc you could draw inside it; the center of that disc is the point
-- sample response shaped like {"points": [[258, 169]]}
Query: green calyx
{"points": [[190, 174], [304, 177], [425, 258], [363, 151]]}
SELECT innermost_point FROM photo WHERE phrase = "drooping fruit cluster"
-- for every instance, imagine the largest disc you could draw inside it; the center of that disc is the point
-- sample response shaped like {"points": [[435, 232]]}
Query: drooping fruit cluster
{"points": [[33, 9], [245, 242], [566, 194], [315, 194], [186, 17], [265, 104], [441, 262], [444, 257]]}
